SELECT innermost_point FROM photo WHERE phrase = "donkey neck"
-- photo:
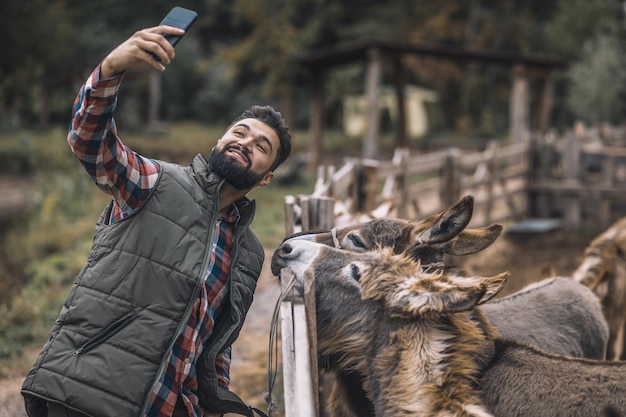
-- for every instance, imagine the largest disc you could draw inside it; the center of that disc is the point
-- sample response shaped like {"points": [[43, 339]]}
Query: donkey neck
{"points": [[430, 365]]}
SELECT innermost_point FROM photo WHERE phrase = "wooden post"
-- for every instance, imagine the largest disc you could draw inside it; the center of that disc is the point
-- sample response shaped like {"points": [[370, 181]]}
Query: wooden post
{"points": [[299, 383], [299, 348], [316, 144], [541, 165], [450, 178], [311, 331], [572, 210], [403, 184], [399, 77], [288, 350], [290, 217], [490, 182], [321, 213], [305, 213], [544, 108], [368, 189], [520, 105], [372, 90], [608, 178]]}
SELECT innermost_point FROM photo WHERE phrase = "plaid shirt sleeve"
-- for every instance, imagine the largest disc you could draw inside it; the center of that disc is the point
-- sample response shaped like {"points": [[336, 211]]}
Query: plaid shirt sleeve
{"points": [[116, 169]]}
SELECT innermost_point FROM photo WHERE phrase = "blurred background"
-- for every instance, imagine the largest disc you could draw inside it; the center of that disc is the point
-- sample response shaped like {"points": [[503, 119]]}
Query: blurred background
{"points": [[244, 52], [240, 52]]}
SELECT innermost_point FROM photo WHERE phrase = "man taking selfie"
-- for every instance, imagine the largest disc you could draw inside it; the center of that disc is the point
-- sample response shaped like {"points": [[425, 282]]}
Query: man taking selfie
{"points": [[148, 325]]}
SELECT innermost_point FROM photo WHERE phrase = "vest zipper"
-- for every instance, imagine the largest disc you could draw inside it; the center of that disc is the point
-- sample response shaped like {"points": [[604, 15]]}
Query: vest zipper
{"points": [[105, 334], [183, 322]]}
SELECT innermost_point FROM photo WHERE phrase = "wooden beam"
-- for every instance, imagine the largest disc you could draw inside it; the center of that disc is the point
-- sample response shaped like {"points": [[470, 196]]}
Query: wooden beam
{"points": [[520, 105], [399, 81], [546, 98], [372, 91], [316, 143]]}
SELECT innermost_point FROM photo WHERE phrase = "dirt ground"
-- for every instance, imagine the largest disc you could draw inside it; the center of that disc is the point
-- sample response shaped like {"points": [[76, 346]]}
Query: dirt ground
{"points": [[527, 257]]}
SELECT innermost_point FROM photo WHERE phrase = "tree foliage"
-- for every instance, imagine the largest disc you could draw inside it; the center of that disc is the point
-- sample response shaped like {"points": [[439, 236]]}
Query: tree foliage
{"points": [[243, 51]]}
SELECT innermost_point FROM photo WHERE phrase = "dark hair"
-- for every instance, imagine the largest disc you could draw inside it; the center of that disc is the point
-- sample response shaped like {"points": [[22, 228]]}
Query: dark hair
{"points": [[273, 119]]}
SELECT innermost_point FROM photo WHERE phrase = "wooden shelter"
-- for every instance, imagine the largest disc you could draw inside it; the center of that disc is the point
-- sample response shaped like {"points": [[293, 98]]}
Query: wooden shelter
{"points": [[378, 54]]}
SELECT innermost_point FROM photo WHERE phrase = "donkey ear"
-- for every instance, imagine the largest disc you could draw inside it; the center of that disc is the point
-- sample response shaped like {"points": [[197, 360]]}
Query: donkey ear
{"points": [[448, 223], [493, 285], [435, 293], [474, 240]]}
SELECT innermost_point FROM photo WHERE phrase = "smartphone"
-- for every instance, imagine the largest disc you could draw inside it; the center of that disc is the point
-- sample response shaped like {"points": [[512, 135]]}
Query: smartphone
{"points": [[178, 17]]}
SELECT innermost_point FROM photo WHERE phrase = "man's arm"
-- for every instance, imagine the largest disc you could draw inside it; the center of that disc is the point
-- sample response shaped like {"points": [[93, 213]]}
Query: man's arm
{"points": [[115, 168]]}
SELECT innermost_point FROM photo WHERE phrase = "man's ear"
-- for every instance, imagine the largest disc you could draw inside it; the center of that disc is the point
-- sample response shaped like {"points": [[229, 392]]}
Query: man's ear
{"points": [[266, 179]]}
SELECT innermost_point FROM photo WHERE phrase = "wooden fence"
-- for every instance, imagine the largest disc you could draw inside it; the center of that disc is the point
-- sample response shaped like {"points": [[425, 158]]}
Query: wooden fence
{"points": [[581, 184], [415, 187]]}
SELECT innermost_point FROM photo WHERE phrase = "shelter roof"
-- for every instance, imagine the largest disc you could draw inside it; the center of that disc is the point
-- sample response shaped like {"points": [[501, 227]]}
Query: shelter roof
{"points": [[357, 50]]}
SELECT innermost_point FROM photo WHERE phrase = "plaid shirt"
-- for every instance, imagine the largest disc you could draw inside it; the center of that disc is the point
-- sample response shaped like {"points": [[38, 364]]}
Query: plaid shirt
{"points": [[129, 178]]}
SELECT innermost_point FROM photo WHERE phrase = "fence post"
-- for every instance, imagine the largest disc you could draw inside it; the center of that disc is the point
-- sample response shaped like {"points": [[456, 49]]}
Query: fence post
{"points": [[299, 364], [450, 178], [403, 184], [490, 182], [368, 187], [572, 210], [541, 159], [290, 215], [321, 213]]}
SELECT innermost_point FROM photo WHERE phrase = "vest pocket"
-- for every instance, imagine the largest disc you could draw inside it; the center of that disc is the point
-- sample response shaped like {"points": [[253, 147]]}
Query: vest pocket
{"points": [[106, 333]]}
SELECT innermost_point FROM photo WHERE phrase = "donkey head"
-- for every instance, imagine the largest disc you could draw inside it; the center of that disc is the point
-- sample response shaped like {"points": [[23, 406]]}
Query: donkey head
{"points": [[426, 240], [340, 311]]}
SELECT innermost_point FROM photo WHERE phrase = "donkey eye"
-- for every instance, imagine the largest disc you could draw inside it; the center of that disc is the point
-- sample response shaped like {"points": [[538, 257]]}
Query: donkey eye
{"points": [[356, 241], [355, 272]]}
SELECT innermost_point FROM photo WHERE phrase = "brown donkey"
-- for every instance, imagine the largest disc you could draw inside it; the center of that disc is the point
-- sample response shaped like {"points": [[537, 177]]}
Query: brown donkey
{"points": [[424, 348]]}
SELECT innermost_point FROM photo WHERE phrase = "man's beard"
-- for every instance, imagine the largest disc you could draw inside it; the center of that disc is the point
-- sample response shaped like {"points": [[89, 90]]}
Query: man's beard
{"points": [[240, 177]]}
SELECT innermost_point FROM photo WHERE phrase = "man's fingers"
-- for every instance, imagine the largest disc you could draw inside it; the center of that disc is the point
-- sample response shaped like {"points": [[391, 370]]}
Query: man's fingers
{"points": [[170, 30], [143, 46], [150, 60], [153, 41]]}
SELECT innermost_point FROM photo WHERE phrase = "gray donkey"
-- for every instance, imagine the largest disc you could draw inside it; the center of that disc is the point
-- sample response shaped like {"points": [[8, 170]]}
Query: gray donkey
{"points": [[557, 315], [424, 348]]}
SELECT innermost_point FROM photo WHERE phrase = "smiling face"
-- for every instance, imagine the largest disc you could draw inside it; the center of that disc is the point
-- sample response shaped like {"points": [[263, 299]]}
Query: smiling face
{"points": [[244, 156]]}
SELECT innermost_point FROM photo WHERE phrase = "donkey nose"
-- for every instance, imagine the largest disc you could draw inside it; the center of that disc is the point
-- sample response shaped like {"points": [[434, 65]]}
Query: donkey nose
{"points": [[282, 252]]}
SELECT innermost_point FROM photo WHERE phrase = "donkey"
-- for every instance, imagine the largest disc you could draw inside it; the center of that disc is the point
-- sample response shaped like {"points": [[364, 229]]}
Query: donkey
{"points": [[557, 314], [425, 347], [603, 270]]}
